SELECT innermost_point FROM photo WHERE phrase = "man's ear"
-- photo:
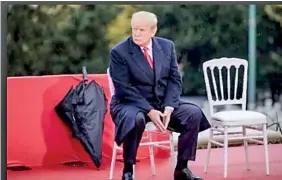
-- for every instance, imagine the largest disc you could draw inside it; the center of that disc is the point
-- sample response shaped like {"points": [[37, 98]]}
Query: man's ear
{"points": [[155, 29]]}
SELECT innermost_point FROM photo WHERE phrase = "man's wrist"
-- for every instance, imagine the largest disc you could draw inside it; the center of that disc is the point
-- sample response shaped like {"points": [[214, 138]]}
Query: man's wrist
{"points": [[149, 110]]}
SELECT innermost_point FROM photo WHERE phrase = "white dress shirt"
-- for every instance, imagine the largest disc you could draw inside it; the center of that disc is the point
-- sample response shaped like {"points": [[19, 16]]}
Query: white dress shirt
{"points": [[150, 50]]}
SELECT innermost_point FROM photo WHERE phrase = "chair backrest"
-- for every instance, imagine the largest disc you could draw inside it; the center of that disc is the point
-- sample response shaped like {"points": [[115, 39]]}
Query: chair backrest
{"points": [[222, 92], [111, 84]]}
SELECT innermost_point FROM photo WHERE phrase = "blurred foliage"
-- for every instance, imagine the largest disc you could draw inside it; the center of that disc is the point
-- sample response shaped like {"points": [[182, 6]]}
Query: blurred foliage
{"points": [[57, 39], [274, 12], [119, 28], [49, 39]]}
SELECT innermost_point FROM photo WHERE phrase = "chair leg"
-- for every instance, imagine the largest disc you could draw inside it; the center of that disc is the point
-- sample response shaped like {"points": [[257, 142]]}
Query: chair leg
{"points": [[133, 175], [208, 150], [114, 154], [152, 159], [246, 148], [172, 153], [265, 142], [279, 128], [225, 151]]}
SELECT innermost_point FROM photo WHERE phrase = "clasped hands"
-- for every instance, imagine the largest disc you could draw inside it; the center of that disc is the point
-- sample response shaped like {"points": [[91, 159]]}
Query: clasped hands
{"points": [[161, 120]]}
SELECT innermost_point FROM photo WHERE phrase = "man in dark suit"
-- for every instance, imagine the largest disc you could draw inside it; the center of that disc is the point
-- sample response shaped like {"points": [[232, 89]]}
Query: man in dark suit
{"points": [[148, 88]]}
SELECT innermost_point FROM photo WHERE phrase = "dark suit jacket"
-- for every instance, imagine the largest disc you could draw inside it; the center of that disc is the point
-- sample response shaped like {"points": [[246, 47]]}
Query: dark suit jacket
{"points": [[138, 87]]}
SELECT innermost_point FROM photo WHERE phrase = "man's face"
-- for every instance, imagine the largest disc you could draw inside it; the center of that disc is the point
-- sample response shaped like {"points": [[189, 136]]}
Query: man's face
{"points": [[142, 32]]}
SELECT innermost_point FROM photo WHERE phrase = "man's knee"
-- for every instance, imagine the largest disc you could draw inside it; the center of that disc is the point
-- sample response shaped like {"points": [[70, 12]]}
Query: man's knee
{"points": [[195, 114], [140, 121]]}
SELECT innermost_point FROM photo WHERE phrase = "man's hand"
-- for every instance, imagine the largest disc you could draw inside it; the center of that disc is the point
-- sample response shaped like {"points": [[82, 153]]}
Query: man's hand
{"points": [[167, 113], [156, 116]]}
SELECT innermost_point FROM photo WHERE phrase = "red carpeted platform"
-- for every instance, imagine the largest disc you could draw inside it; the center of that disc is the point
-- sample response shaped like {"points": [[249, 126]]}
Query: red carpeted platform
{"points": [[236, 167], [36, 136]]}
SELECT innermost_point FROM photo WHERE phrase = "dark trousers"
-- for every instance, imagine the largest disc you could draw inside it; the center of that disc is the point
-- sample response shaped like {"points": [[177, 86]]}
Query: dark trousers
{"points": [[186, 119]]}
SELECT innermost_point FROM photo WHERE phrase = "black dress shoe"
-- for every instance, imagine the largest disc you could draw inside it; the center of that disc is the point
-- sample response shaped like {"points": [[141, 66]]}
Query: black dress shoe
{"points": [[185, 174], [127, 176]]}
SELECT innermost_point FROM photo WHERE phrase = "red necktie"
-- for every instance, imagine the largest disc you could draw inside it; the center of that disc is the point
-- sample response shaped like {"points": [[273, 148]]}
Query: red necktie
{"points": [[147, 56]]}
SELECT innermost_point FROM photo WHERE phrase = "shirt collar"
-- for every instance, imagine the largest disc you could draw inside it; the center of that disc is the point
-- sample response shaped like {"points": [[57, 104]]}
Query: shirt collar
{"points": [[149, 46]]}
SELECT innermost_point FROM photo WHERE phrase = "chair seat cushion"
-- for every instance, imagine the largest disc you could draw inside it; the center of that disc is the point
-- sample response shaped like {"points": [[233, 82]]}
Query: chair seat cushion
{"points": [[239, 117]]}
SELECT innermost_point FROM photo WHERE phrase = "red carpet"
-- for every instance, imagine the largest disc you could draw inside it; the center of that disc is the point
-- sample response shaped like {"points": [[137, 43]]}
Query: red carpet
{"points": [[236, 167]]}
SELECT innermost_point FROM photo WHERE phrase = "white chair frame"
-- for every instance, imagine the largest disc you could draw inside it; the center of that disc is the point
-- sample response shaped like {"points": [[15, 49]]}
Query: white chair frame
{"points": [[222, 126], [150, 128]]}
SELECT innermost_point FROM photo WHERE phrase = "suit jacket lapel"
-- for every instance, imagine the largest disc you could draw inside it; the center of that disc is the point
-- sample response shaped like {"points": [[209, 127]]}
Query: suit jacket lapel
{"points": [[158, 57], [140, 60]]}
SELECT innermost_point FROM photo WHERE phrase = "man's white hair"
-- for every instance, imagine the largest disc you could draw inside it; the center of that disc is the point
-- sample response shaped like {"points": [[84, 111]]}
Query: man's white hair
{"points": [[147, 16]]}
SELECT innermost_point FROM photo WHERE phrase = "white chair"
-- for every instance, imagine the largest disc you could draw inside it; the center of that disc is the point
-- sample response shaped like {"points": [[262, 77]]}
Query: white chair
{"points": [[223, 121], [146, 141]]}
